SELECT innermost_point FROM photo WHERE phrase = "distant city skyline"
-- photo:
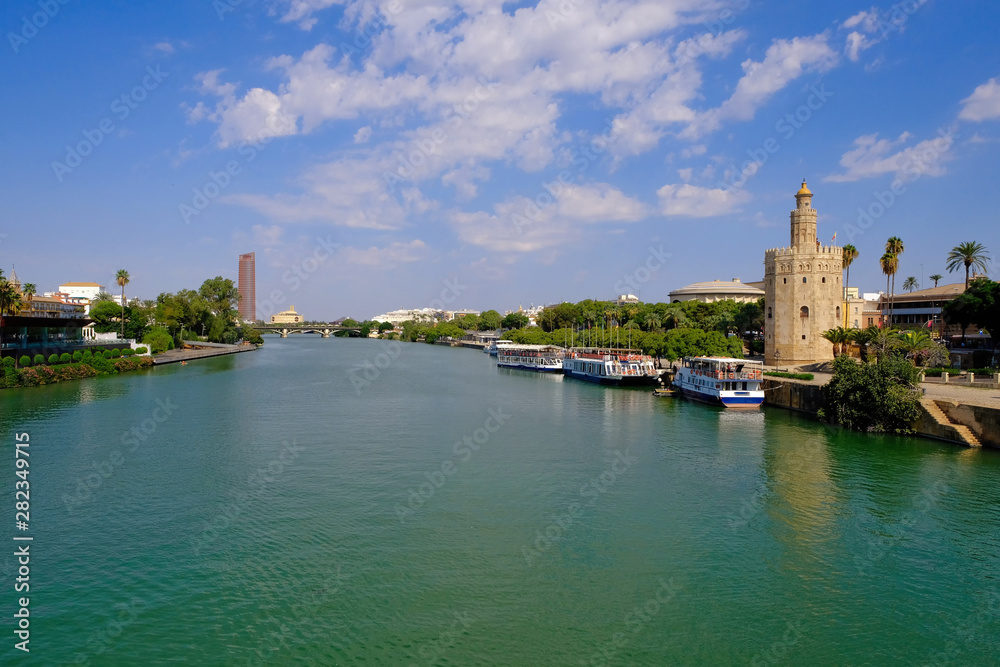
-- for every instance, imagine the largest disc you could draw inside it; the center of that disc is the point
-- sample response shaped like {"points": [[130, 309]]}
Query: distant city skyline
{"points": [[376, 157]]}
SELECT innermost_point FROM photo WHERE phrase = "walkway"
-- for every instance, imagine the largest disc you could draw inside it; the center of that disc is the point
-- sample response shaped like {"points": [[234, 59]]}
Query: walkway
{"points": [[208, 350]]}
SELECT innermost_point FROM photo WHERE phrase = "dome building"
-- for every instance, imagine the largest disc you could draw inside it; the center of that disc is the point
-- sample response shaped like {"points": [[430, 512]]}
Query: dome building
{"points": [[717, 290], [286, 317]]}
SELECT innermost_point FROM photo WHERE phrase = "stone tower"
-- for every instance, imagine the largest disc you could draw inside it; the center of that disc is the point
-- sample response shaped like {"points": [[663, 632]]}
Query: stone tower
{"points": [[802, 292]]}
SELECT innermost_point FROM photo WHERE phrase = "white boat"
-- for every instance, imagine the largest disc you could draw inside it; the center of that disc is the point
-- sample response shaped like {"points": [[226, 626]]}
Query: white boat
{"points": [[495, 345], [731, 383], [545, 358], [610, 366]]}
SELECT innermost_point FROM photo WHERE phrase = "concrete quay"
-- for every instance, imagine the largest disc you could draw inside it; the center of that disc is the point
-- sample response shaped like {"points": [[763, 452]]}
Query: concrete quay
{"points": [[199, 350]]}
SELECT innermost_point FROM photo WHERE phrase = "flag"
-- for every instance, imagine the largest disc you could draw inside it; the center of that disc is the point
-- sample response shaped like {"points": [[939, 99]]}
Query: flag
{"points": [[834, 236], [930, 323]]}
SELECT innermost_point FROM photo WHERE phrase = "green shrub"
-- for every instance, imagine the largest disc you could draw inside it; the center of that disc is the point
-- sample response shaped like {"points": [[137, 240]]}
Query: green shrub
{"points": [[53, 359], [791, 376], [88, 357], [128, 352], [982, 371], [39, 360], [65, 358], [158, 339], [115, 353], [24, 361], [142, 349], [102, 365], [880, 397], [78, 356], [8, 362]]}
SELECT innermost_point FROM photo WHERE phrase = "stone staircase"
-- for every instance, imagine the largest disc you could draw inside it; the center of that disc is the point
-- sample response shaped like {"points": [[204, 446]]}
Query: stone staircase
{"points": [[961, 433]]}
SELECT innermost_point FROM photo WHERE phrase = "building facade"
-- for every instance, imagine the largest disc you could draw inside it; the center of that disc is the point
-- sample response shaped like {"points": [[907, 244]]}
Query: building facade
{"points": [[287, 317], [248, 287], [803, 292]]}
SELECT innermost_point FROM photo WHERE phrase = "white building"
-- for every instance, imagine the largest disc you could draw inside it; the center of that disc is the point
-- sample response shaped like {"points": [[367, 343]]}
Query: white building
{"points": [[88, 291], [397, 317]]}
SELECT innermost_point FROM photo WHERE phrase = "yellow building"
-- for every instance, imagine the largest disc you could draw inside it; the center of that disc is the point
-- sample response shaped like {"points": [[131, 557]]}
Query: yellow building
{"points": [[286, 317]]}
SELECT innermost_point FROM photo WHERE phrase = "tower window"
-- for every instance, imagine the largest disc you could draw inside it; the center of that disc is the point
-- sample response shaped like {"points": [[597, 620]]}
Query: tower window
{"points": [[804, 311], [769, 312], [784, 281], [824, 279], [803, 278], [803, 336]]}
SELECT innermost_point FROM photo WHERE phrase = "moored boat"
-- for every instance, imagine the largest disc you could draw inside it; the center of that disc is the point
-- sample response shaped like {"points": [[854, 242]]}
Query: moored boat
{"points": [[545, 358], [610, 366], [495, 345], [732, 383]]}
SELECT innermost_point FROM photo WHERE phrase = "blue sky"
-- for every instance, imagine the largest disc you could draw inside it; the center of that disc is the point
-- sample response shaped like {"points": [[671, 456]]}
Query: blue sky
{"points": [[380, 154]]}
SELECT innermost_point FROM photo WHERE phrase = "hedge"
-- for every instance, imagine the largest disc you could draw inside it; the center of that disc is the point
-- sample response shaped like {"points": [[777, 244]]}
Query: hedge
{"points": [[141, 350], [791, 376], [78, 356], [65, 358], [24, 361], [39, 360], [128, 352], [8, 362], [53, 359]]}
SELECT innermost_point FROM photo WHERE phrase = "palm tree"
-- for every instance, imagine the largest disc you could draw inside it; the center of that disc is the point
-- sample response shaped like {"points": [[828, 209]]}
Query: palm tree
{"points": [[915, 344], [936, 277], [122, 279], [883, 341], [840, 337], [910, 284], [850, 254], [862, 338], [895, 246], [968, 254], [890, 264], [10, 302]]}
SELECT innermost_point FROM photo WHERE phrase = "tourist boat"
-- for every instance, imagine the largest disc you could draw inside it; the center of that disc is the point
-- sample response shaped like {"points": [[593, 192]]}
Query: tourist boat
{"points": [[610, 366], [732, 383], [495, 345], [545, 358]]}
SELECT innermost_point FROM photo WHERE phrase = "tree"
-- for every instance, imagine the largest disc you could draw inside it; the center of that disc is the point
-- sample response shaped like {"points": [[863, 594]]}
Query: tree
{"points": [[910, 284], [490, 321], [880, 397], [103, 296], [969, 254], [122, 278], [890, 264], [28, 291], [894, 246], [979, 305], [850, 254], [10, 302], [515, 321], [839, 336], [936, 277]]}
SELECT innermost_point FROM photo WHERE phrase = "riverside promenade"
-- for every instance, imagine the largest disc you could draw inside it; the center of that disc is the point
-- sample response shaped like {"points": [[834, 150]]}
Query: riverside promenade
{"points": [[199, 350]]}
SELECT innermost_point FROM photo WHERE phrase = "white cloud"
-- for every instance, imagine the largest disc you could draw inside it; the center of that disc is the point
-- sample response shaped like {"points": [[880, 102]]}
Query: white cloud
{"points": [[384, 258], [784, 61], [873, 157], [363, 135], [868, 20], [164, 47], [693, 201], [983, 103], [301, 11], [856, 43]]}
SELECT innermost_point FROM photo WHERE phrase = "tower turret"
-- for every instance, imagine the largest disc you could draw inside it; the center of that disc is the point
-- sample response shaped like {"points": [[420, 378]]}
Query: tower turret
{"points": [[803, 219]]}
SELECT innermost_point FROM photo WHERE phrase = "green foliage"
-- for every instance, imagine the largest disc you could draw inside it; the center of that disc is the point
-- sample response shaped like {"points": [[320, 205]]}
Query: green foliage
{"points": [[252, 336], [490, 320], [979, 305], [8, 362], [937, 372], [24, 361], [101, 365], [38, 360], [385, 326], [877, 397], [158, 339], [115, 353], [65, 358], [88, 357], [128, 352], [982, 371], [53, 359], [78, 356], [791, 376], [515, 321], [142, 349]]}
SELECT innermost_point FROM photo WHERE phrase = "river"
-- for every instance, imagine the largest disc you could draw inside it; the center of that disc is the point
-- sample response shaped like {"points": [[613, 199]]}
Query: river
{"points": [[345, 501]]}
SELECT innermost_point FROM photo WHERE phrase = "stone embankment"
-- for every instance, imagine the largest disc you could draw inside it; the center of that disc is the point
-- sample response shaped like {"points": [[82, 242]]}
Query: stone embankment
{"points": [[967, 416]]}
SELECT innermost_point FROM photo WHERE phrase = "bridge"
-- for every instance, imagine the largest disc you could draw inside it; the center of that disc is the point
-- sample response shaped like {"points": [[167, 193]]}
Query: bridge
{"points": [[321, 329]]}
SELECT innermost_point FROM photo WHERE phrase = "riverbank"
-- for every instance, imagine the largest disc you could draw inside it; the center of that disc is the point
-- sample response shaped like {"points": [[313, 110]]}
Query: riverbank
{"points": [[967, 416], [35, 376], [199, 350]]}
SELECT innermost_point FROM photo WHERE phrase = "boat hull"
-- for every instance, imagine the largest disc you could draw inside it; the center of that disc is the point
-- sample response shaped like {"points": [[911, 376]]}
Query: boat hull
{"points": [[735, 402], [624, 381], [526, 367]]}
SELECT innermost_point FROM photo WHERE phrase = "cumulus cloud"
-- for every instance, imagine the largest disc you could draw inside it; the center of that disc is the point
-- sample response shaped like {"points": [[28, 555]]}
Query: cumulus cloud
{"points": [[873, 157], [385, 257], [696, 202], [983, 103]]}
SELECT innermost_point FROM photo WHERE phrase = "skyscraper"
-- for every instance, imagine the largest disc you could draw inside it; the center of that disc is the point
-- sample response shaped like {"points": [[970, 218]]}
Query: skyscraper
{"points": [[248, 289]]}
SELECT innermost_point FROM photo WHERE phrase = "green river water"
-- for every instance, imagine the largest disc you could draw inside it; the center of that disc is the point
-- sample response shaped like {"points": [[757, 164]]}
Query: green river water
{"points": [[347, 502]]}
